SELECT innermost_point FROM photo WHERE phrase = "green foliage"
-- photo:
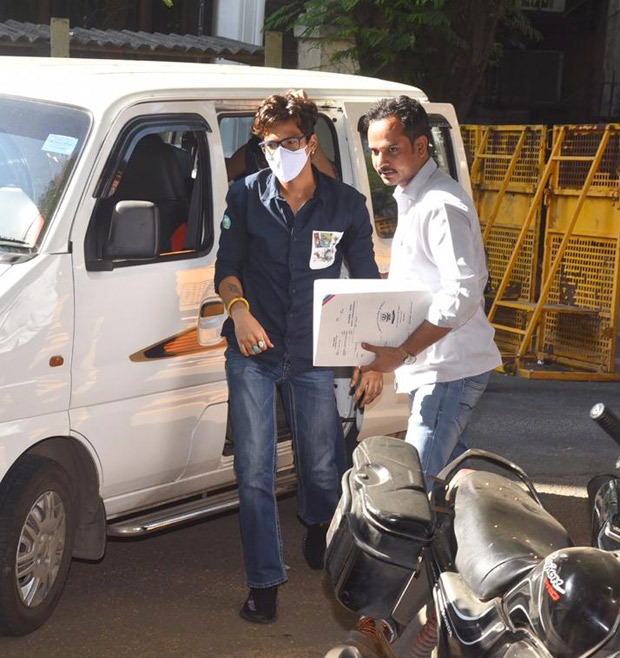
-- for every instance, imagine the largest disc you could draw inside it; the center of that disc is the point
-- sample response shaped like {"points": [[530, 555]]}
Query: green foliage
{"points": [[168, 3], [439, 45], [385, 31]]}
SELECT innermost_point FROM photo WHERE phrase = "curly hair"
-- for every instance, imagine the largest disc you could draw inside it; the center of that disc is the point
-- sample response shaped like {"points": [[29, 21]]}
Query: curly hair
{"points": [[279, 108], [408, 111]]}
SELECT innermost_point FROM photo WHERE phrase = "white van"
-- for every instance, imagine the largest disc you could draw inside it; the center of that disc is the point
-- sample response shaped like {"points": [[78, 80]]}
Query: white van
{"points": [[113, 397]]}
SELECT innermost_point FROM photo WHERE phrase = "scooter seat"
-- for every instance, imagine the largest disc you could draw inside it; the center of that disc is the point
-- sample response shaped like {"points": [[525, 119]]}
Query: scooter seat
{"points": [[501, 533]]}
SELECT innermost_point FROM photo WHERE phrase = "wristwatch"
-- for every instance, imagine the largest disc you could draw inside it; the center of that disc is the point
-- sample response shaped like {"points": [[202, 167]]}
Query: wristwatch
{"points": [[408, 359]]}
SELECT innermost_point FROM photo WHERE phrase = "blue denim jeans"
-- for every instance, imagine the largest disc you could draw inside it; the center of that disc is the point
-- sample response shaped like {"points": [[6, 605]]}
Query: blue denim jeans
{"points": [[439, 416], [318, 442]]}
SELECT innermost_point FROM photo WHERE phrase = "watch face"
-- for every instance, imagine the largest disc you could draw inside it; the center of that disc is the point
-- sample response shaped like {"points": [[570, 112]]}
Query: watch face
{"points": [[409, 361]]}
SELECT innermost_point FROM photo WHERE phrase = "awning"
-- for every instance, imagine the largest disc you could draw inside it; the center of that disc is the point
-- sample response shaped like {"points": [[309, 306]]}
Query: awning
{"points": [[31, 39]]}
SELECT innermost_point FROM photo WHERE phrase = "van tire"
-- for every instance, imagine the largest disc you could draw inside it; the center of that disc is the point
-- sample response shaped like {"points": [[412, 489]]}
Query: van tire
{"points": [[37, 511]]}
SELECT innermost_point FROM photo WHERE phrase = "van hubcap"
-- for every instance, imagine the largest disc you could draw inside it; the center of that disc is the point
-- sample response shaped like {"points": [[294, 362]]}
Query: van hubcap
{"points": [[40, 548]]}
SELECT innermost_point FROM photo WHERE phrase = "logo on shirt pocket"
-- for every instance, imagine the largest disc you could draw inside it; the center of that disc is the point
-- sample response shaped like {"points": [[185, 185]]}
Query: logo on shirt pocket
{"points": [[323, 252]]}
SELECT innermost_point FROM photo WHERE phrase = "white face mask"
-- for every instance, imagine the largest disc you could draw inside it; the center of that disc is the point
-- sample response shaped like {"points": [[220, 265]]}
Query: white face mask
{"points": [[286, 164]]}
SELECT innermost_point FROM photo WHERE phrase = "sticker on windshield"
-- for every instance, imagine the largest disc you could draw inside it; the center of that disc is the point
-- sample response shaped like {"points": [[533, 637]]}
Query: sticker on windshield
{"points": [[61, 144]]}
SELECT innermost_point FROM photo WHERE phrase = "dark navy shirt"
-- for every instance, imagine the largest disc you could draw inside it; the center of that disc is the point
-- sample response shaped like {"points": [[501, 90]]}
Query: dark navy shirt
{"points": [[277, 256]]}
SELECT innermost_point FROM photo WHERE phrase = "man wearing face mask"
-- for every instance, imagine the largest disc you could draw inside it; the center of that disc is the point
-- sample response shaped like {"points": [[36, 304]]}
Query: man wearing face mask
{"points": [[285, 227]]}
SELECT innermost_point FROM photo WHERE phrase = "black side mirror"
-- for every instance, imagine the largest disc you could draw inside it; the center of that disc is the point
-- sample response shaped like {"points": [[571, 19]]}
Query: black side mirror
{"points": [[134, 231]]}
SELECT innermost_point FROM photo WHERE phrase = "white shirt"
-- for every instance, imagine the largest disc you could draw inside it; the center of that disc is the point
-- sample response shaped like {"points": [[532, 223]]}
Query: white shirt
{"points": [[438, 245]]}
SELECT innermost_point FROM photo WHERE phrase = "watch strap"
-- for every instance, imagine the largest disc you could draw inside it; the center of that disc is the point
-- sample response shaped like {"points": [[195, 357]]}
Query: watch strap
{"points": [[409, 359]]}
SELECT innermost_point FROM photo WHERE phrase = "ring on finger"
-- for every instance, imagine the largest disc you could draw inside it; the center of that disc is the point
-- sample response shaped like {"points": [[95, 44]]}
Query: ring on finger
{"points": [[261, 344], [255, 349]]}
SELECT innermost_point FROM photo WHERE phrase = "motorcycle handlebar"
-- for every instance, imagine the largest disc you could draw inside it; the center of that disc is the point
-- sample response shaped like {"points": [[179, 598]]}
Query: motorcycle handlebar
{"points": [[605, 418]]}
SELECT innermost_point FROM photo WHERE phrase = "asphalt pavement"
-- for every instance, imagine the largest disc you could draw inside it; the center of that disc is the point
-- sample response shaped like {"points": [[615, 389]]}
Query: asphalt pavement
{"points": [[178, 593], [545, 427]]}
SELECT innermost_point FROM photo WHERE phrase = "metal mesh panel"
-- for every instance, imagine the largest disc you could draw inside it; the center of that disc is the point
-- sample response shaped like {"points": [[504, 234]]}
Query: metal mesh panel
{"points": [[583, 141], [499, 248], [471, 139], [503, 141], [507, 341], [508, 213], [585, 280]]}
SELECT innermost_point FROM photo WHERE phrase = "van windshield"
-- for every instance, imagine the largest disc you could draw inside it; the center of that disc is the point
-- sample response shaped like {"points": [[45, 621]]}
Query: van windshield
{"points": [[39, 146]]}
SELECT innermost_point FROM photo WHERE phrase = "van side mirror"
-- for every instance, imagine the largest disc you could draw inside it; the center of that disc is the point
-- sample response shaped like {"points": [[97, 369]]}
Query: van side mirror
{"points": [[134, 231]]}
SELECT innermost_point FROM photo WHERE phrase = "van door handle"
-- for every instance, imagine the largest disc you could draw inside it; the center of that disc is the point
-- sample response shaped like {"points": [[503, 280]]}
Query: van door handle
{"points": [[210, 321]]}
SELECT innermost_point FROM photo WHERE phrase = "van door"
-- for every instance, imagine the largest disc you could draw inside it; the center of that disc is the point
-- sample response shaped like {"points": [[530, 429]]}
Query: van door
{"points": [[146, 394]]}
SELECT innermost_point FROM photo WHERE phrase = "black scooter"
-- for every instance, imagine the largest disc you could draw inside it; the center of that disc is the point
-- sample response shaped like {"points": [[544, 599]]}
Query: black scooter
{"points": [[478, 568]]}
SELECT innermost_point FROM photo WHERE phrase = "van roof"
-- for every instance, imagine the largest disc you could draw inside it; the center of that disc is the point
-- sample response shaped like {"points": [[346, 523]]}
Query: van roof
{"points": [[97, 83]]}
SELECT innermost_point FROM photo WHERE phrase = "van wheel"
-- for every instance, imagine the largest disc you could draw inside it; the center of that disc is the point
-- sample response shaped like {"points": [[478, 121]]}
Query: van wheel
{"points": [[37, 529]]}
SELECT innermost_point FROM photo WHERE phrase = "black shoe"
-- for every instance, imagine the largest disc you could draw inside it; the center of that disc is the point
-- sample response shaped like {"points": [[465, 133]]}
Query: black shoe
{"points": [[313, 545], [260, 606]]}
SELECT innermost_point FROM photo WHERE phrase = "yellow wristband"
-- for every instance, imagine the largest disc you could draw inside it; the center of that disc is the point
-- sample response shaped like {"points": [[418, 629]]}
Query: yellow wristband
{"points": [[234, 300]]}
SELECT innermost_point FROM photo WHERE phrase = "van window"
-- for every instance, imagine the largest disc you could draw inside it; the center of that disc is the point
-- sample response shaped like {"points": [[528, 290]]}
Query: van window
{"points": [[243, 155], [164, 163], [39, 146], [383, 203]]}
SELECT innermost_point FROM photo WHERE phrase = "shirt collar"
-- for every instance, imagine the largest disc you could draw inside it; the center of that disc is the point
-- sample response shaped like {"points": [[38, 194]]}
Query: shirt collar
{"points": [[415, 185], [273, 190], [272, 187]]}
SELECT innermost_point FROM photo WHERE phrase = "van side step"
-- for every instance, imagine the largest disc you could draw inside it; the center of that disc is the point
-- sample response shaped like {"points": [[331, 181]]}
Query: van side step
{"points": [[184, 512]]}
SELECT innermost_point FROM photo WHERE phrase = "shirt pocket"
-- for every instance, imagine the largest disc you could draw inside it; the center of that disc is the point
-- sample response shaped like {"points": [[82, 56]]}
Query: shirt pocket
{"points": [[323, 248]]}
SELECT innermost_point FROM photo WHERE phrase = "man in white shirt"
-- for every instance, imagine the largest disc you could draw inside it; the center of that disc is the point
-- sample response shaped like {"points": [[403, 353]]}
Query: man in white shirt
{"points": [[445, 363]]}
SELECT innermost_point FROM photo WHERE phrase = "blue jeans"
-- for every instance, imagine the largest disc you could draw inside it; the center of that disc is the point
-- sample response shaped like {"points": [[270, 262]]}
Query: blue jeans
{"points": [[439, 416], [318, 442]]}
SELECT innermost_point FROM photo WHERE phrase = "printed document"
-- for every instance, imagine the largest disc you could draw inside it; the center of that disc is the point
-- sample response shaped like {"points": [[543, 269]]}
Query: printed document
{"points": [[348, 312]]}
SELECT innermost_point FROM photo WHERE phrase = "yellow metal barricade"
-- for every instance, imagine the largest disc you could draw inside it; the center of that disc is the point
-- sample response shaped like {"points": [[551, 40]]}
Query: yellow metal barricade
{"points": [[582, 251], [507, 165], [471, 135], [572, 321]]}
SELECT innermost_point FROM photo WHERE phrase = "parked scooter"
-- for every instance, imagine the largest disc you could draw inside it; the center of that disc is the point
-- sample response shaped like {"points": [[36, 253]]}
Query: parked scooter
{"points": [[478, 568]]}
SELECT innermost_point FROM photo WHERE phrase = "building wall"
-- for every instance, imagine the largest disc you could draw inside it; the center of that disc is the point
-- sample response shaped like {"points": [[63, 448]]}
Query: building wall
{"points": [[239, 19], [610, 87], [562, 77]]}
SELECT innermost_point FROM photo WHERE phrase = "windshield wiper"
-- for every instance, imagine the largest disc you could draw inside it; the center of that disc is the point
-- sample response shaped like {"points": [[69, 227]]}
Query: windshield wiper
{"points": [[11, 242], [16, 251]]}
